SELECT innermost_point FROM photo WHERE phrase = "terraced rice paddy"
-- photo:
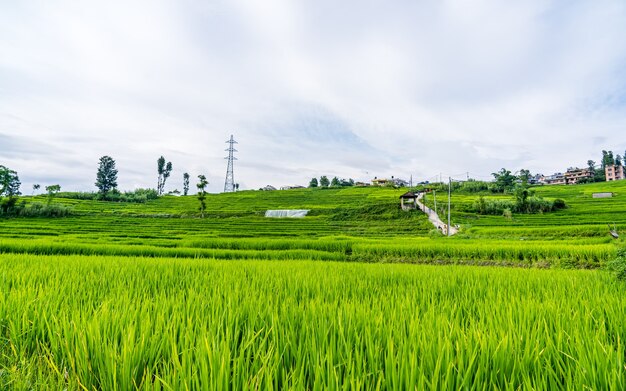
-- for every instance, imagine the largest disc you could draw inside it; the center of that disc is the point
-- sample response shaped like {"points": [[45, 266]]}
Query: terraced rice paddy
{"points": [[148, 296]]}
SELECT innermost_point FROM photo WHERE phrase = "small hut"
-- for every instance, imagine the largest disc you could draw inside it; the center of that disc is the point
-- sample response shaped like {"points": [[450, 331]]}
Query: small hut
{"points": [[408, 200]]}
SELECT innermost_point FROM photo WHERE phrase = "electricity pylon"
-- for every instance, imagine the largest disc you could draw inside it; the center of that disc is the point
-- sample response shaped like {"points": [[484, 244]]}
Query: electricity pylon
{"points": [[229, 184]]}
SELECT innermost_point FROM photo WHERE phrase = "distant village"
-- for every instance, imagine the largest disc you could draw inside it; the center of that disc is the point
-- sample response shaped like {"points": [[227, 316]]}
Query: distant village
{"points": [[572, 176], [577, 175]]}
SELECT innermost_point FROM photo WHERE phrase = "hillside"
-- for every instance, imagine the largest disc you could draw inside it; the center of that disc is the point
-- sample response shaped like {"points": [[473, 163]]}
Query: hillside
{"points": [[152, 297], [584, 216], [363, 224]]}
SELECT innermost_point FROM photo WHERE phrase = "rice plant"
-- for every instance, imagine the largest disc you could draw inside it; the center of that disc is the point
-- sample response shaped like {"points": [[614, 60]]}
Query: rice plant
{"points": [[124, 323]]}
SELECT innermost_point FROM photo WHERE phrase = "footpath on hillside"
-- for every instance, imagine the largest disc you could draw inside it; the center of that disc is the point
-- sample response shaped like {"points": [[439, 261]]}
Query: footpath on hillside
{"points": [[434, 218]]}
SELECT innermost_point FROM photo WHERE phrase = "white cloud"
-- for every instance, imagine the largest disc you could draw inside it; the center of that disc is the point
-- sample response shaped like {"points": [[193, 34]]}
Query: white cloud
{"points": [[351, 89]]}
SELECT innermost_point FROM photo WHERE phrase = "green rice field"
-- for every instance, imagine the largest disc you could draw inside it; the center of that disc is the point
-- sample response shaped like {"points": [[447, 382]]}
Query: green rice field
{"points": [[124, 323], [357, 295]]}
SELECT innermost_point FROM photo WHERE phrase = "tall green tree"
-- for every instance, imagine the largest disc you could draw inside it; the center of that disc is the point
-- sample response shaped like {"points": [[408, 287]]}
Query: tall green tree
{"points": [[504, 181], [335, 182], [598, 173], [164, 169], [52, 190], [324, 182], [607, 159], [106, 177], [202, 184], [618, 160], [591, 165], [36, 187], [313, 183], [522, 193], [9, 189], [9, 182], [524, 176], [185, 183]]}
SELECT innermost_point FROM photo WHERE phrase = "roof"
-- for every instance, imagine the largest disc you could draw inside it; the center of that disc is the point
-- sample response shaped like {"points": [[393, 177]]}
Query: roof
{"points": [[409, 194]]}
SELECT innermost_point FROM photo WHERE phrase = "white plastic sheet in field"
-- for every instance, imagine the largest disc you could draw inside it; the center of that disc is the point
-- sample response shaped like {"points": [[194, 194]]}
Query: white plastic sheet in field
{"points": [[287, 213]]}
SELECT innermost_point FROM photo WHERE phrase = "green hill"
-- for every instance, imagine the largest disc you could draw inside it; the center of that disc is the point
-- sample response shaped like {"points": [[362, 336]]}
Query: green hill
{"points": [[152, 297], [363, 224]]}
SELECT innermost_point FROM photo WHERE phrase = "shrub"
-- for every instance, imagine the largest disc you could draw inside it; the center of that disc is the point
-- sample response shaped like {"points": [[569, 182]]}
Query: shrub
{"points": [[558, 204], [37, 209], [534, 204], [138, 196], [618, 265], [496, 207]]}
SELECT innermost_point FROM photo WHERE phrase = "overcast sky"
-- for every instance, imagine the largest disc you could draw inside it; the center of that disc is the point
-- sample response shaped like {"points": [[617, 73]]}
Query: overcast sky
{"points": [[308, 88]]}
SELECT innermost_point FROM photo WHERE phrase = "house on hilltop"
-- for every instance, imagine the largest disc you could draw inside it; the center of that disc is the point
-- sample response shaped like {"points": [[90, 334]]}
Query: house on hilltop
{"points": [[555, 179], [397, 182], [575, 175], [614, 172]]}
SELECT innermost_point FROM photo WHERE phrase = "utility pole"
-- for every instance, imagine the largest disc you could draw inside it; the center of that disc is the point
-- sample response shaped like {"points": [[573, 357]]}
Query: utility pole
{"points": [[449, 193], [229, 184]]}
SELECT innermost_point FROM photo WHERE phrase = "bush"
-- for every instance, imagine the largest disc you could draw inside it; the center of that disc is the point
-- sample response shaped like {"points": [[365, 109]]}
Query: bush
{"points": [[138, 196], [558, 204], [496, 207], [7, 205], [473, 186], [78, 195], [532, 204], [618, 265], [37, 209]]}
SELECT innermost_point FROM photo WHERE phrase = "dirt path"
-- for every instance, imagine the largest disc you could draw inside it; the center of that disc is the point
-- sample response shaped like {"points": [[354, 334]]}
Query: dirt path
{"points": [[433, 218]]}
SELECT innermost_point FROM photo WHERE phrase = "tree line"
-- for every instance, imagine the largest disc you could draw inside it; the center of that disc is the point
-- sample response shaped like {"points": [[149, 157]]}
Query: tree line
{"points": [[106, 184], [335, 182]]}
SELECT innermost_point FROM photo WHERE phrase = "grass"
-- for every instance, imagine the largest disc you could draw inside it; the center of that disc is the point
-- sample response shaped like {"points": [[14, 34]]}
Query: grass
{"points": [[363, 224], [123, 296], [125, 323]]}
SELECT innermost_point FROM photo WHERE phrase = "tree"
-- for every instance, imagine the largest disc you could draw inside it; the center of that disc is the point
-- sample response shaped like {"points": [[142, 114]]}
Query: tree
{"points": [[202, 193], [524, 176], [52, 191], [591, 165], [335, 182], [36, 187], [9, 187], [313, 183], [522, 193], [598, 173], [106, 178], [618, 160], [236, 186], [607, 159], [504, 180], [185, 183], [164, 170], [324, 182], [9, 182]]}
